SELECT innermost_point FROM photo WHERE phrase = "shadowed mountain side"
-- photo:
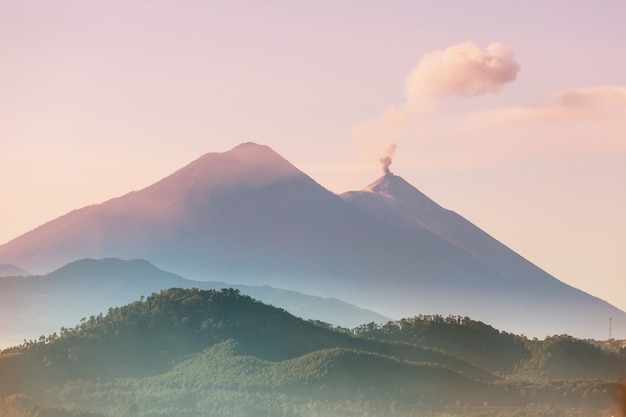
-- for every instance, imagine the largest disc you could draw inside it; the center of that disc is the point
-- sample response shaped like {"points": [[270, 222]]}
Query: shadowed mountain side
{"points": [[32, 306]]}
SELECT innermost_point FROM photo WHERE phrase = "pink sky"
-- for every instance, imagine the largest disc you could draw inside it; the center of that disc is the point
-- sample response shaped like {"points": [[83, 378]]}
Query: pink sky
{"points": [[101, 98]]}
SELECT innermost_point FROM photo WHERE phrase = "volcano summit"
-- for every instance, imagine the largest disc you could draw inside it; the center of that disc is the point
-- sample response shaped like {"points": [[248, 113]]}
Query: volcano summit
{"points": [[248, 216]]}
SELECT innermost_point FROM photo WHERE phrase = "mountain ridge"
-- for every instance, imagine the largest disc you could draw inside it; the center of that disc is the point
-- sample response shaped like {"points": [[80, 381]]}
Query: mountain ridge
{"points": [[406, 206], [43, 304], [170, 352], [249, 216], [8, 270]]}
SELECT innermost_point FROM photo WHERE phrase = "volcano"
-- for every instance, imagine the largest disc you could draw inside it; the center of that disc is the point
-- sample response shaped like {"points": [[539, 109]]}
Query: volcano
{"points": [[248, 216]]}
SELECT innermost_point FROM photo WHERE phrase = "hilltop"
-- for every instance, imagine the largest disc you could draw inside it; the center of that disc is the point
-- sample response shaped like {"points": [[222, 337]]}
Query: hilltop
{"points": [[194, 352]]}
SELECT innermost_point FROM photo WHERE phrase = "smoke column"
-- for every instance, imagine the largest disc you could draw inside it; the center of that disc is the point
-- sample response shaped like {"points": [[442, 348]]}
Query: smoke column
{"points": [[462, 70], [387, 157]]}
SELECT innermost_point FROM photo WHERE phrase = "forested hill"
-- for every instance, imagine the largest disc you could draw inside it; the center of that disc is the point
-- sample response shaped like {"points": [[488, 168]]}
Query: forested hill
{"points": [[221, 353], [555, 357], [146, 337]]}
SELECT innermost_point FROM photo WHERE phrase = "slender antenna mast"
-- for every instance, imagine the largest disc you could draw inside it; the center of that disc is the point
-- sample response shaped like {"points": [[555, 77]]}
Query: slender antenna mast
{"points": [[610, 335]]}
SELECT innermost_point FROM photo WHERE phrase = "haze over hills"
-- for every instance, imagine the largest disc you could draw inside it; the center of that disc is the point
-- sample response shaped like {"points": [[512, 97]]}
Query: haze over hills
{"points": [[41, 305], [8, 270], [220, 353], [249, 216]]}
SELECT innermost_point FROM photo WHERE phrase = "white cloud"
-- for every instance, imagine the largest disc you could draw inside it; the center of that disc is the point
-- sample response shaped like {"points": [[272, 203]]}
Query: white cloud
{"points": [[577, 104], [463, 70]]}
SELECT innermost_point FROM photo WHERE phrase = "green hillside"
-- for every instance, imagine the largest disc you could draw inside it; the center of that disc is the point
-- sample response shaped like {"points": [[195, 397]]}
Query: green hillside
{"points": [[555, 357], [221, 353]]}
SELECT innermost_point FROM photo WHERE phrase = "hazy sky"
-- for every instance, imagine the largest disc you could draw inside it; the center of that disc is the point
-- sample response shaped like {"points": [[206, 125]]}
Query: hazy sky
{"points": [[511, 113]]}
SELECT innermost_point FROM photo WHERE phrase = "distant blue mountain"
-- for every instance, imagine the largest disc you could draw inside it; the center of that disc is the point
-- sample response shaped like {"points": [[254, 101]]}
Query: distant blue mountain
{"points": [[41, 305], [7, 270]]}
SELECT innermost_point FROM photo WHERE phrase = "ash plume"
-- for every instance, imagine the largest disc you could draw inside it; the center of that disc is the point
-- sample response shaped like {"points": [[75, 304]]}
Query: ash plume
{"points": [[387, 157], [462, 70]]}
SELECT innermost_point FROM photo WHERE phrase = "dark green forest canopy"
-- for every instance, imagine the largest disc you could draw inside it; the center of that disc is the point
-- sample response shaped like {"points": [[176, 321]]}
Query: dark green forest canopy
{"points": [[560, 356], [176, 323], [194, 352]]}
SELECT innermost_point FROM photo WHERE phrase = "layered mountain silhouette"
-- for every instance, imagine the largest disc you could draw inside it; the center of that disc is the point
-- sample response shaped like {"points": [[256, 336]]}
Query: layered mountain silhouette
{"points": [[249, 216], [41, 305], [8, 270], [198, 353]]}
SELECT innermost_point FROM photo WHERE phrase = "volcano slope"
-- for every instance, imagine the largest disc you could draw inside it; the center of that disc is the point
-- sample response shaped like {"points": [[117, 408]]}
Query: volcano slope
{"points": [[248, 216]]}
